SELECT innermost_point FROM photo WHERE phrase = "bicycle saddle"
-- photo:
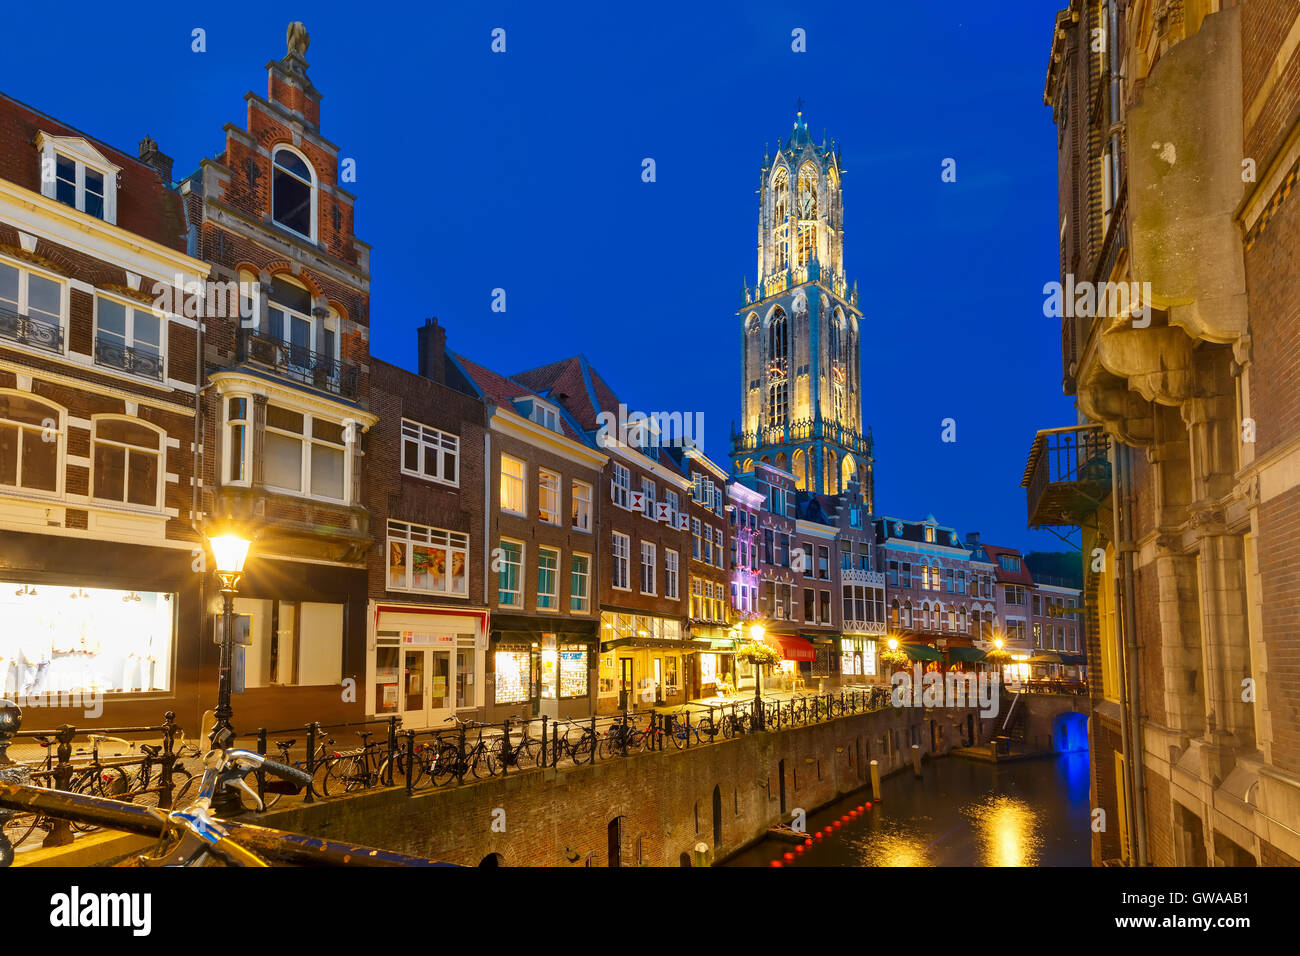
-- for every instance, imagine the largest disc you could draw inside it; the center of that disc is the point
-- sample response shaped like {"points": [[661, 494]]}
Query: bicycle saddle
{"points": [[152, 751], [285, 744]]}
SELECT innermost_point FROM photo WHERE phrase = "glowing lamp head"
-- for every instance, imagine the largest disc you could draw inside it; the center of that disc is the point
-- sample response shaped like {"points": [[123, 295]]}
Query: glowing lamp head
{"points": [[893, 643], [997, 642], [756, 631], [230, 552]]}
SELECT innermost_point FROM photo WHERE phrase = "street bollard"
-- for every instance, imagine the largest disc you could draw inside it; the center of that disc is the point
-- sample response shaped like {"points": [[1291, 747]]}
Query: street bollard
{"points": [[875, 781], [701, 854], [916, 759]]}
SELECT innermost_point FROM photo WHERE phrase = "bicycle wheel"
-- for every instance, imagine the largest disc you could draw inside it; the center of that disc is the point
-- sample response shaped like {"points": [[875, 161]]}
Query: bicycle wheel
{"points": [[680, 734], [152, 797], [484, 763], [20, 826], [334, 778], [443, 763], [581, 750]]}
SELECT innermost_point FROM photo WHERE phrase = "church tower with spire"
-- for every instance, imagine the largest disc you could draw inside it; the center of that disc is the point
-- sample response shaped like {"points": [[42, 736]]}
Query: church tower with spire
{"points": [[800, 327]]}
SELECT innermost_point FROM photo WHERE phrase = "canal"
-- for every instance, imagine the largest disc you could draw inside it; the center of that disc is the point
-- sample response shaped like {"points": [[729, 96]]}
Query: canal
{"points": [[960, 813]]}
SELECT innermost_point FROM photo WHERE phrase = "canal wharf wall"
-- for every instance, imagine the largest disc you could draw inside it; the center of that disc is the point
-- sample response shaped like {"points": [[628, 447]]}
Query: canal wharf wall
{"points": [[648, 809]]}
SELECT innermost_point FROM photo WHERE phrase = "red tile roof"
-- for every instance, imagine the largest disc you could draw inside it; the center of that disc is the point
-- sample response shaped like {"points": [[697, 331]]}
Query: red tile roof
{"points": [[500, 390]]}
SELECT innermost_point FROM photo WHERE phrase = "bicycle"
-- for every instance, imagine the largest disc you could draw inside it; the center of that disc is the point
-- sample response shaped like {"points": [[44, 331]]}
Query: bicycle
{"points": [[581, 750], [354, 770], [192, 836], [680, 730], [623, 737]]}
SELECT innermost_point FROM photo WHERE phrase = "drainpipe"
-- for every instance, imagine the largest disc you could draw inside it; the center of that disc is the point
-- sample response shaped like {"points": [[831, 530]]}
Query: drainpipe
{"points": [[1130, 710]]}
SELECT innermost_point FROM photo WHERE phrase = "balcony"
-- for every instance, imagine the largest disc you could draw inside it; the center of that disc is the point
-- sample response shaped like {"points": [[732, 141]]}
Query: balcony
{"points": [[112, 353], [24, 330], [1067, 476], [298, 363], [803, 430]]}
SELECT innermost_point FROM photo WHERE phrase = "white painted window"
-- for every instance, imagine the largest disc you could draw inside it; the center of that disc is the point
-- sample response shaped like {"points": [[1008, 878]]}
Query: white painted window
{"points": [[581, 493], [426, 559], [513, 491], [28, 461], [548, 496], [293, 192], [126, 463], [129, 338], [620, 486], [622, 553], [648, 568], [580, 582], [548, 579], [430, 453], [31, 308], [304, 454], [671, 568], [510, 573]]}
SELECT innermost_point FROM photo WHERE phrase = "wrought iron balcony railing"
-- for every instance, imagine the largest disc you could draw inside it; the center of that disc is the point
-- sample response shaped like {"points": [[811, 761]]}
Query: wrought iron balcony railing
{"points": [[1067, 475], [25, 330], [803, 430], [135, 361], [298, 363]]}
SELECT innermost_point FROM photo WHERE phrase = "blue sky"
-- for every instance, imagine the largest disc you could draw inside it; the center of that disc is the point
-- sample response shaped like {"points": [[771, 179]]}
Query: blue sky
{"points": [[522, 171]]}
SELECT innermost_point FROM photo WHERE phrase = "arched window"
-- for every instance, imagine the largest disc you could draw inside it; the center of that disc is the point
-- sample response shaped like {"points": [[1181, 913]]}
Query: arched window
{"points": [[907, 614], [848, 469], [961, 619], [893, 613], [293, 192], [778, 392], [31, 440], [780, 213], [126, 461], [807, 214], [799, 465], [832, 473]]}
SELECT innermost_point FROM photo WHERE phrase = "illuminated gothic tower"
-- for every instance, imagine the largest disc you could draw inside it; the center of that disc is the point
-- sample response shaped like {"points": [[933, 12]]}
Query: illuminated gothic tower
{"points": [[799, 329]]}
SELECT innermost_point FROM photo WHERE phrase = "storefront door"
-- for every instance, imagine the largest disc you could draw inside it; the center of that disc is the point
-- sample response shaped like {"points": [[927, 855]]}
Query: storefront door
{"points": [[428, 680], [625, 685]]}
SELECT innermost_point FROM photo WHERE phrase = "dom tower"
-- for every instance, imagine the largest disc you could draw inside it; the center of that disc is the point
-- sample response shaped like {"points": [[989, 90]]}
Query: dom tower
{"points": [[800, 329]]}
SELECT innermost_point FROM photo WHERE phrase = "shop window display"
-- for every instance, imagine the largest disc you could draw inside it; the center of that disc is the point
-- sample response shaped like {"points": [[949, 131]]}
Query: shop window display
{"points": [[573, 671], [512, 677], [62, 640]]}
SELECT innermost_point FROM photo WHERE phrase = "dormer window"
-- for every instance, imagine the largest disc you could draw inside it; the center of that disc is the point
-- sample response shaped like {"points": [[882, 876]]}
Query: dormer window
{"points": [[76, 174], [541, 413], [293, 193]]}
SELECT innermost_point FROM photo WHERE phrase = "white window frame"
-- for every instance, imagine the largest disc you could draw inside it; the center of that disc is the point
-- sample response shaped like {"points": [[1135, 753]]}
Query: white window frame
{"points": [[308, 443], [61, 452], [581, 504], [650, 495], [85, 156], [129, 339], [554, 594], [522, 484], [411, 534], [621, 560], [648, 565], [620, 487], [25, 271], [313, 185], [672, 571], [580, 602], [519, 578], [159, 454], [431, 441], [550, 485]]}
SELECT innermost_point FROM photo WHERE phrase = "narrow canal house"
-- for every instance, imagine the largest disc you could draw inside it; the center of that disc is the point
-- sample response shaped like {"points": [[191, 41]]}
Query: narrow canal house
{"points": [[285, 413], [427, 635], [645, 529], [98, 385], [543, 517]]}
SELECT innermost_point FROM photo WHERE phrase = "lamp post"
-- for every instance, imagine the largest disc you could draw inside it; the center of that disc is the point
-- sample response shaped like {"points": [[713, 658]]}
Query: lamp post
{"points": [[229, 551], [756, 631]]}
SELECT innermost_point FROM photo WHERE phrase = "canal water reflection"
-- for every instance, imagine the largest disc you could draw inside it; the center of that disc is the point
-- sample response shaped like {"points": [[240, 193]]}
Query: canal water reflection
{"points": [[961, 813]]}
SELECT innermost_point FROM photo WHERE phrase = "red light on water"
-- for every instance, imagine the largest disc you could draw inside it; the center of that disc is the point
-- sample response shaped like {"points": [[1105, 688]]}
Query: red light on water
{"points": [[799, 849], [776, 863], [838, 824], [787, 856]]}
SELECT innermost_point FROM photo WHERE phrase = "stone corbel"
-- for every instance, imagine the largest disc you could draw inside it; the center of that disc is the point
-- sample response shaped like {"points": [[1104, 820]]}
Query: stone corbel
{"points": [[1156, 362], [1124, 414]]}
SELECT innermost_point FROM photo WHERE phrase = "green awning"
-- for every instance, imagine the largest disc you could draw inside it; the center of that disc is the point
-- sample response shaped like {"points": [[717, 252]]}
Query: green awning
{"points": [[921, 652], [965, 655], [1046, 657]]}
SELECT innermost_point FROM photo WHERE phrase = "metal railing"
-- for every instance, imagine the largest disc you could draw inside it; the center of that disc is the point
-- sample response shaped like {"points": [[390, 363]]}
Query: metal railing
{"points": [[144, 362], [1077, 455], [23, 329], [297, 362]]}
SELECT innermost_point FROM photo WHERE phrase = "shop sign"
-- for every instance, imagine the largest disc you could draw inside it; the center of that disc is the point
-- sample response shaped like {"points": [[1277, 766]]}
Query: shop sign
{"points": [[425, 639]]}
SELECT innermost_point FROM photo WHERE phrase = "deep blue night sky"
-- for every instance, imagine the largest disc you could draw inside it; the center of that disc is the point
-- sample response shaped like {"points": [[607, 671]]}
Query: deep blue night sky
{"points": [[522, 171]]}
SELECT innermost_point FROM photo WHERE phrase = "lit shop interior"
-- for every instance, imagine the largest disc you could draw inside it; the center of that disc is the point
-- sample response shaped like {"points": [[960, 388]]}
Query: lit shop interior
{"points": [[65, 640]]}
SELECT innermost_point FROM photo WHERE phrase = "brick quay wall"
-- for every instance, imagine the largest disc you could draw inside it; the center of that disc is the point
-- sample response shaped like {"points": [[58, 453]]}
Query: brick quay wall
{"points": [[648, 809]]}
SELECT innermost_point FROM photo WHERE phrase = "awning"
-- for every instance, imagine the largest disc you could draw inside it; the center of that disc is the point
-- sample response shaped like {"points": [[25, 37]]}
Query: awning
{"points": [[1073, 659], [795, 648], [965, 655], [684, 645], [921, 652], [1047, 657]]}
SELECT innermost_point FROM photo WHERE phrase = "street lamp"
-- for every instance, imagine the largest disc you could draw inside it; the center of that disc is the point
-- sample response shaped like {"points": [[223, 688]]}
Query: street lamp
{"points": [[756, 631], [229, 551]]}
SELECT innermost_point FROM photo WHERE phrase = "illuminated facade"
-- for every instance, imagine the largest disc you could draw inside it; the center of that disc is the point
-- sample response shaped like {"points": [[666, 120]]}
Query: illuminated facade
{"points": [[800, 329]]}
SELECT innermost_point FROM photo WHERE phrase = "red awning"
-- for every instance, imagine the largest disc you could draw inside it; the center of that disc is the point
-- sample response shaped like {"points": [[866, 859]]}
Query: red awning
{"points": [[795, 648]]}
